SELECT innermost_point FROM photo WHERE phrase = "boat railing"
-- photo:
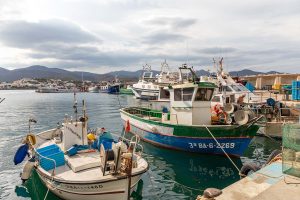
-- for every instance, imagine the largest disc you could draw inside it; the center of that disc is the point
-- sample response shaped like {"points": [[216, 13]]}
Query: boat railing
{"points": [[144, 112], [44, 157], [129, 141], [279, 114]]}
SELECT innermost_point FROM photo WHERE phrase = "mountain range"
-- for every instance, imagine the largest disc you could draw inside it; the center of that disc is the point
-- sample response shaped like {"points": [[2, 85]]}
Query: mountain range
{"points": [[38, 71]]}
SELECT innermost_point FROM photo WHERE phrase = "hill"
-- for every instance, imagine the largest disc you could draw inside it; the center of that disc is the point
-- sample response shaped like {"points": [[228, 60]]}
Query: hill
{"points": [[38, 71]]}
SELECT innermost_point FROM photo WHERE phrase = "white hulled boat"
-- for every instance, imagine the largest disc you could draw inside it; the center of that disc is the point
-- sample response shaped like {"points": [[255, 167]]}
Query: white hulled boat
{"points": [[68, 161], [146, 88]]}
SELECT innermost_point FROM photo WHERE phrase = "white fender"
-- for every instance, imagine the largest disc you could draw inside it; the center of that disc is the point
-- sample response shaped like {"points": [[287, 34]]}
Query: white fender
{"points": [[27, 170]]}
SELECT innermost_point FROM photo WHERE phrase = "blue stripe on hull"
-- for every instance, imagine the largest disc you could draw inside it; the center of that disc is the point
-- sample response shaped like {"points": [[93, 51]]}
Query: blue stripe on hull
{"points": [[232, 146]]}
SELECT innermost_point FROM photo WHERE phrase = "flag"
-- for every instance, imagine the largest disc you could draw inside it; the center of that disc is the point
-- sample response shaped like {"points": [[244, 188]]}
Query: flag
{"points": [[127, 126]]}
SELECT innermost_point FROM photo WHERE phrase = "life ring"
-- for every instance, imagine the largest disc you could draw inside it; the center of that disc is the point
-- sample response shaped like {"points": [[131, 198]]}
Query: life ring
{"points": [[217, 108], [222, 116]]}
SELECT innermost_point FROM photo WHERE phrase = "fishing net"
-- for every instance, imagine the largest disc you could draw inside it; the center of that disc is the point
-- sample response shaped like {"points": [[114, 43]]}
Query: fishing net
{"points": [[291, 149]]}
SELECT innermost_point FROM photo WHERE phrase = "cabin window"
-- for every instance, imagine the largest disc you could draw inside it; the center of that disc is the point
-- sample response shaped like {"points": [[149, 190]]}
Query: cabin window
{"points": [[236, 88], [147, 74], [184, 94], [149, 86], [164, 94], [216, 99], [143, 86], [204, 94], [187, 94], [177, 95], [227, 89]]}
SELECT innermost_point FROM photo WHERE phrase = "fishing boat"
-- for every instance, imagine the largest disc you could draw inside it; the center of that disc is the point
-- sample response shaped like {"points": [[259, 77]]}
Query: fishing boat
{"points": [[146, 88], [75, 164], [94, 89], [230, 91], [126, 90], [149, 86], [111, 87], [188, 124]]}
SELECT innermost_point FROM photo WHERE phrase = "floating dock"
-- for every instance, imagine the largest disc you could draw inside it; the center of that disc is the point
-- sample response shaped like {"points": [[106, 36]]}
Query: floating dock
{"points": [[269, 183]]}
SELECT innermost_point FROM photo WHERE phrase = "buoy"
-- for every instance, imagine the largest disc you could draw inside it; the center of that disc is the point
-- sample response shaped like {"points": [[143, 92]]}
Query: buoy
{"points": [[242, 117], [26, 173], [21, 154], [230, 108], [91, 136]]}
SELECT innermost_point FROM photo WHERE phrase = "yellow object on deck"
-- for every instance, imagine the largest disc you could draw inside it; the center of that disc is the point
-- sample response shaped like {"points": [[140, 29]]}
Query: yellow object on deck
{"points": [[30, 138], [91, 136], [277, 86]]}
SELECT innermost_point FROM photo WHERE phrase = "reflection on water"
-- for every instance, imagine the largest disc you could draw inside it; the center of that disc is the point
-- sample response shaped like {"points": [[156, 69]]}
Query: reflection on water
{"points": [[172, 174]]}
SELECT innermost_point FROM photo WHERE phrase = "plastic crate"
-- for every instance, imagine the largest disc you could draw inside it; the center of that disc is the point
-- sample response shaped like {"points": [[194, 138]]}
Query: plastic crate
{"points": [[51, 152], [291, 149], [46, 150]]}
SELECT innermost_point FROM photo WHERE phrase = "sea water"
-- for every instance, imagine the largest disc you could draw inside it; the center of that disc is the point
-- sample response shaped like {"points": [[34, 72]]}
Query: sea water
{"points": [[172, 174]]}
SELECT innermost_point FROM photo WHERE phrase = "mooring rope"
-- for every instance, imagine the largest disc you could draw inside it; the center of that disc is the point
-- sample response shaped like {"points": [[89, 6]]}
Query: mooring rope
{"points": [[223, 150]]}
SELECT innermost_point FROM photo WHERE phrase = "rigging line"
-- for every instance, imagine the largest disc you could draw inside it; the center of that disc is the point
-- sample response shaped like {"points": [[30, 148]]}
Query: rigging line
{"points": [[223, 149]]}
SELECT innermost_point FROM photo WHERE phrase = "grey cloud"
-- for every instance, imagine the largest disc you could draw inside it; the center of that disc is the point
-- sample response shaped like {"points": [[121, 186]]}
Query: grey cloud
{"points": [[86, 55], [160, 38], [217, 50], [23, 34], [173, 22]]}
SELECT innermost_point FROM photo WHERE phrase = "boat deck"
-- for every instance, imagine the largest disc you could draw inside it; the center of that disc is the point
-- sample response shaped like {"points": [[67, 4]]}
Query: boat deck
{"points": [[85, 167]]}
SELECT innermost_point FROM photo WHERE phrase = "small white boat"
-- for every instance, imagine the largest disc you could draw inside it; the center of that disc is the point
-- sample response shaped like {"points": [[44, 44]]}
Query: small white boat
{"points": [[71, 173], [94, 89]]}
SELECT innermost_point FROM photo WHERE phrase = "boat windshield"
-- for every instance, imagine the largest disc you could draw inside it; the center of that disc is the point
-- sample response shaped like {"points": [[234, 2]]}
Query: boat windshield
{"points": [[243, 88], [204, 94], [147, 75], [236, 88], [183, 94]]}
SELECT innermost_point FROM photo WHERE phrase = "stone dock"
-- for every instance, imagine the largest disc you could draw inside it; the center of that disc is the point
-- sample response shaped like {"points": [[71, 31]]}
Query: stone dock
{"points": [[269, 183]]}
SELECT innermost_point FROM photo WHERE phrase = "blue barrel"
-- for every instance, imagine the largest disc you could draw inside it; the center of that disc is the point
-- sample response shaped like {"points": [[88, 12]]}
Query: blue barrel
{"points": [[72, 151], [296, 90]]}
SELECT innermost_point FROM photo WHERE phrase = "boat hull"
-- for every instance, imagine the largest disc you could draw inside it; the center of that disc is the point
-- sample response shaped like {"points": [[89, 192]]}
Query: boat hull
{"points": [[192, 138], [109, 190]]}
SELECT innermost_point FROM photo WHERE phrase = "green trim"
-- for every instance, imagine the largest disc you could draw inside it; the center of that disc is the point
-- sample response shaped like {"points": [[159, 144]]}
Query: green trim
{"points": [[200, 130], [207, 85]]}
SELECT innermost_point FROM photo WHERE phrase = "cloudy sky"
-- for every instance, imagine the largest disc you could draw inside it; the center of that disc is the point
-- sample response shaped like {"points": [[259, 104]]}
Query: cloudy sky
{"points": [[108, 35]]}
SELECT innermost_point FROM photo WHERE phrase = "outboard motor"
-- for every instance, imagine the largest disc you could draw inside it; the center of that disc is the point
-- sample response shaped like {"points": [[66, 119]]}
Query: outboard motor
{"points": [[27, 169]]}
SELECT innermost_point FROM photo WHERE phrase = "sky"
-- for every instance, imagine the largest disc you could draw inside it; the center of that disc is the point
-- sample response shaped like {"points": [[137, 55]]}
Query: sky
{"points": [[109, 35]]}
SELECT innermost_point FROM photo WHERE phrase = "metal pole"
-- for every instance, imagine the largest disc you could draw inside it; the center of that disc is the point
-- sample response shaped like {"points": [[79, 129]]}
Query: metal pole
{"points": [[129, 177]]}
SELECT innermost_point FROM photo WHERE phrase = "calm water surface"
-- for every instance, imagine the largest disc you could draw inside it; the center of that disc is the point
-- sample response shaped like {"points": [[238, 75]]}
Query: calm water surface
{"points": [[172, 174]]}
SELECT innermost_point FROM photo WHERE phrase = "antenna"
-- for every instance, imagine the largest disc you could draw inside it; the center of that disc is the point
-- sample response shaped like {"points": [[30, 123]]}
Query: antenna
{"points": [[75, 107], [187, 53]]}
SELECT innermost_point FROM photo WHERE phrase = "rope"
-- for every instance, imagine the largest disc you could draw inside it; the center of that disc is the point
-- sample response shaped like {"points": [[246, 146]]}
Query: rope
{"points": [[223, 150], [46, 194]]}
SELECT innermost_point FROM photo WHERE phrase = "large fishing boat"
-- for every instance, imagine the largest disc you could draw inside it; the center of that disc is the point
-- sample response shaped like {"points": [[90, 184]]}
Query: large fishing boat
{"points": [[75, 164], [146, 88], [230, 91], [188, 125]]}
